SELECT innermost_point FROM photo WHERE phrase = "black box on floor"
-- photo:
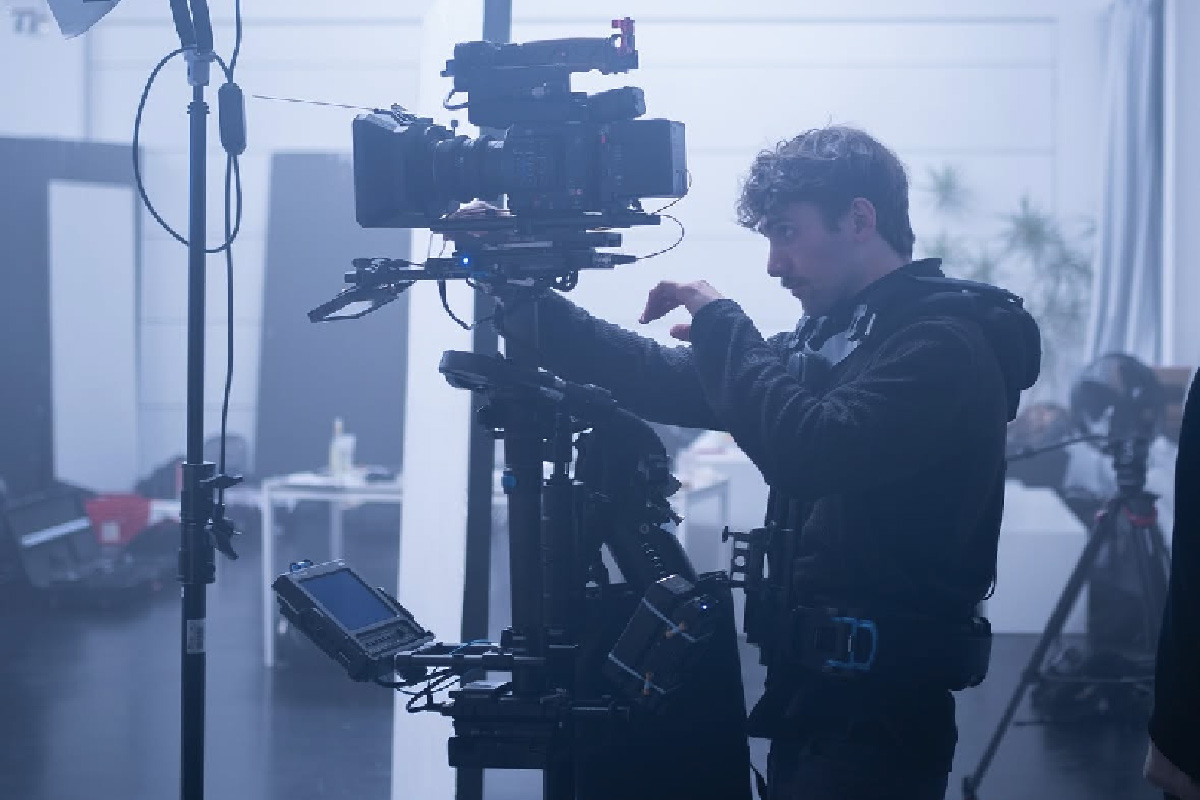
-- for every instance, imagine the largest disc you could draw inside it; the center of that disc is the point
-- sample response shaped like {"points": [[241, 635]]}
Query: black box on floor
{"points": [[57, 548]]}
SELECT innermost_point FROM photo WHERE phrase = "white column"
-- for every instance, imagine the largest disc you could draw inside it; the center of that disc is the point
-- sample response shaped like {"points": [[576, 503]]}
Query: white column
{"points": [[1181, 170], [434, 518]]}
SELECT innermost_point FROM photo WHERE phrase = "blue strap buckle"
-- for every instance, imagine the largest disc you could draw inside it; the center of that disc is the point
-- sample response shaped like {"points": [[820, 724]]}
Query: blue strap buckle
{"points": [[851, 661]]}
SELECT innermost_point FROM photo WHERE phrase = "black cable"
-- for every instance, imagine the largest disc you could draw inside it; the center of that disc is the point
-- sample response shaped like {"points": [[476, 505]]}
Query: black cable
{"points": [[233, 175], [237, 37], [137, 126], [686, 192], [137, 165], [682, 233], [435, 683], [233, 221], [442, 285], [446, 305], [1030, 452], [231, 168], [403, 686]]}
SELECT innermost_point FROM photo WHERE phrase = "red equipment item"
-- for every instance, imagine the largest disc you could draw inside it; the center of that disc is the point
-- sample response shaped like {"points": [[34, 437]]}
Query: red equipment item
{"points": [[118, 518]]}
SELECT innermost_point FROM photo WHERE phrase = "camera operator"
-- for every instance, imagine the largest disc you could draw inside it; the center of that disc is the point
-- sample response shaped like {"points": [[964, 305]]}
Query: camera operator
{"points": [[879, 424]]}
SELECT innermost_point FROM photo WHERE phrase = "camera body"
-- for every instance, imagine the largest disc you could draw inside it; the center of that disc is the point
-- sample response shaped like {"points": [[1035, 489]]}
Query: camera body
{"points": [[562, 153]]}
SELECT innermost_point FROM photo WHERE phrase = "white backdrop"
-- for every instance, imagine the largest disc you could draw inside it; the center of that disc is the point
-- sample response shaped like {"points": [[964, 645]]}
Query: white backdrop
{"points": [[436, 429], [1002, 91], [93, 333]]}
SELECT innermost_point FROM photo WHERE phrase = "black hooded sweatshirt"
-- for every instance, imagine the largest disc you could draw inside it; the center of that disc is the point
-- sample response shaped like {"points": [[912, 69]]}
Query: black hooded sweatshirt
{"points": [[898, 456]]}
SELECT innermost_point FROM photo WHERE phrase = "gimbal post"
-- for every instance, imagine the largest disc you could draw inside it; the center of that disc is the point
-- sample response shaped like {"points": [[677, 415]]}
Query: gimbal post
{"points": [[541, 543], [522, 483]]}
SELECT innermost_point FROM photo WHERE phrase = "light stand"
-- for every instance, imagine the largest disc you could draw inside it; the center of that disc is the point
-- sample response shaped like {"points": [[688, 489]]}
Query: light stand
{"points": [[202, 530]]}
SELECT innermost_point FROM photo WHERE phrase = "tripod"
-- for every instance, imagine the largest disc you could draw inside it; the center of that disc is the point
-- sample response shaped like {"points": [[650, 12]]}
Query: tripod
{"points": [[1130, 514]]}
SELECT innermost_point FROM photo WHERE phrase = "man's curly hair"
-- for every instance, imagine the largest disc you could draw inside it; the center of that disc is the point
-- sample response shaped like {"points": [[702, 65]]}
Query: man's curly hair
{"points": [[829, 167]]}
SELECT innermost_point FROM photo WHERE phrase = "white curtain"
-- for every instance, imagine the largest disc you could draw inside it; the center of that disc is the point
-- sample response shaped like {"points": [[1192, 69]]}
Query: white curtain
{"points": [[1127, 294]]}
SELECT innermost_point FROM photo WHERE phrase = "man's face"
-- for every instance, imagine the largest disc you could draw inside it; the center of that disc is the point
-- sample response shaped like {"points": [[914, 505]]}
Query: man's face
{"points": [[816, 264]]}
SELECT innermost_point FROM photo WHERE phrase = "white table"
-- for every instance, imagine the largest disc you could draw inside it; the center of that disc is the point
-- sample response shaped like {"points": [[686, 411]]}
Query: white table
{"points": [[699, 484], [340, 493]]}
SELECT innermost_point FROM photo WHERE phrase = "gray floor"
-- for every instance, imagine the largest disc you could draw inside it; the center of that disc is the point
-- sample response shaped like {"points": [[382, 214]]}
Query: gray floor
{"points": [[90, 699]]}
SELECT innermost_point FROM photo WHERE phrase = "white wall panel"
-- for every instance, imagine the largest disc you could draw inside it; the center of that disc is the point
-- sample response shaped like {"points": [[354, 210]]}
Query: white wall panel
{"points": [[363, 55], [816, 42], [163, 363], [36, 63], [93, 329], [162, 432], [910, 108], [772, 12], [358, 42], [164, 282], [280, 12], [976, 86], [437, 420], [165, 175], [996, 182], [270, 125]]}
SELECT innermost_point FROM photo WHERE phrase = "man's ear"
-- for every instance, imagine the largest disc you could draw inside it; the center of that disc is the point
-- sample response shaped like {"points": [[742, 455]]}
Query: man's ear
{"points": [[861, 217]]}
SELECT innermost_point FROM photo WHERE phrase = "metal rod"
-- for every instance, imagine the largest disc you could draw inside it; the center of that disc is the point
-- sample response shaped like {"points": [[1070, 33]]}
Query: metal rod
{"points": [[196, 550]]}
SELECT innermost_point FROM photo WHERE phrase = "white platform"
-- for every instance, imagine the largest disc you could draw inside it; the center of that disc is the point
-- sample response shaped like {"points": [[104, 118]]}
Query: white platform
{"points": [[1040, 541]]}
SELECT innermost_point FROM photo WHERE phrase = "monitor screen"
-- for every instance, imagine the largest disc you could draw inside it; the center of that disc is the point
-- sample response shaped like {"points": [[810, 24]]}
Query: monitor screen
{"points": [[347, 599]]}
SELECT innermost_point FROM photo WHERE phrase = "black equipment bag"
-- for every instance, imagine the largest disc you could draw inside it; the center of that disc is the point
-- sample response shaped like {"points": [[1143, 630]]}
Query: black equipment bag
{"points": [[694, 745], [57, 547]]}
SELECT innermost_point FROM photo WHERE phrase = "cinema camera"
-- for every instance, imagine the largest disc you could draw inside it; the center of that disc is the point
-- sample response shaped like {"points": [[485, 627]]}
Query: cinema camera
{"points": [[573, 166], [615, 685]]}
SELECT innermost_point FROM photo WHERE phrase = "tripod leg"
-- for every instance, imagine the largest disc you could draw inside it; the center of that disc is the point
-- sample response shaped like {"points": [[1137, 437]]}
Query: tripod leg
{"points": [[1066, 601], [1162, 557], [1153, 593]]}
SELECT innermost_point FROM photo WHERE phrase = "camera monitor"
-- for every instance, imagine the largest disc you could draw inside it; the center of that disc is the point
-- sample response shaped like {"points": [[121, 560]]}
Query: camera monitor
{"points": [[358, 626]]}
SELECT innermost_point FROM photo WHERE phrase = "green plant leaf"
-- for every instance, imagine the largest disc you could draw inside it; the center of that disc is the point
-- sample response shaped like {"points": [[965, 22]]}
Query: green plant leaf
{"points": [[949, 193], [1030, 232]]}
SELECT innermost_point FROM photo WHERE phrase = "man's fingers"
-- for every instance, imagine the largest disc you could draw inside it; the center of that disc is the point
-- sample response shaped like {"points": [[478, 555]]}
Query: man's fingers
{"points": [[477, 208], [1165, 775], [682, 332], [662, 299]]}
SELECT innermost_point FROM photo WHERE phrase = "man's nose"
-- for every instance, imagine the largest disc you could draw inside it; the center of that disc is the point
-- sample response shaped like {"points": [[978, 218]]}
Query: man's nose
{"points": [[777, 263]]}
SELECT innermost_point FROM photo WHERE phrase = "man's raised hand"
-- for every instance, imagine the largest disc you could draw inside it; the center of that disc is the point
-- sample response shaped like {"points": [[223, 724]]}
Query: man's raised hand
{"points": [[670, 295]]}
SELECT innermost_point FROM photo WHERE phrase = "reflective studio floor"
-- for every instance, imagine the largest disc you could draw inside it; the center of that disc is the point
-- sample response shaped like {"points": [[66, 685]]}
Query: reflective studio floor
{"points": [[90, 703]]}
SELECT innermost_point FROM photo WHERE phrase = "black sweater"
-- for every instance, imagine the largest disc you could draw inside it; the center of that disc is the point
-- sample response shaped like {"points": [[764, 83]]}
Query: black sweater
{"points": [[901, 457], [1176, 719]]}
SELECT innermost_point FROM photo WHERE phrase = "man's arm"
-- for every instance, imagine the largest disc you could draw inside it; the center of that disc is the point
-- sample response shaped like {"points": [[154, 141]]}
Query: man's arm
{"points": [[655, 382], [890, 420]]}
